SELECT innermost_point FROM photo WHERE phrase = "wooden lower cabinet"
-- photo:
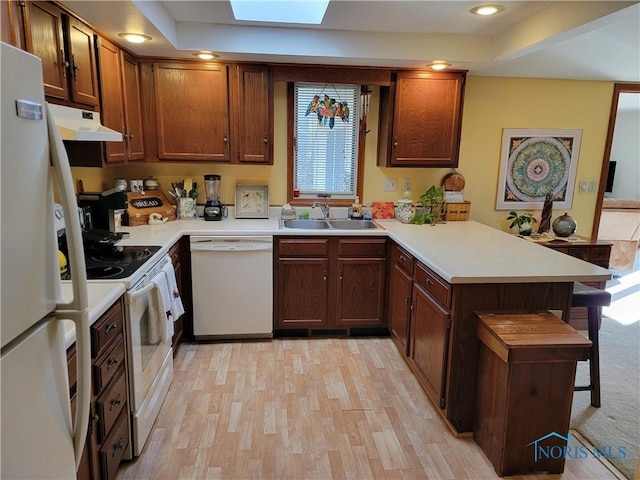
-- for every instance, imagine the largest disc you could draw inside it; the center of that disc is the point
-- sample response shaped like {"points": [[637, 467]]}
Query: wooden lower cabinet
{"points": [[430, 324], [441, 346], [399, 299], [108, 435], [329, 282]]}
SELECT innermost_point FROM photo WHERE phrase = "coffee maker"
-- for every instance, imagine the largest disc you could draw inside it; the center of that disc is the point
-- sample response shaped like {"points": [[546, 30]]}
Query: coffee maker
{"points": [[107, 208], [214, 210]]}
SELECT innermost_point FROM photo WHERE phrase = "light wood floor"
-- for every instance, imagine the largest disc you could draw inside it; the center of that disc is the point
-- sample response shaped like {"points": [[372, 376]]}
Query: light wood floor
{"points": [[307, 409]]}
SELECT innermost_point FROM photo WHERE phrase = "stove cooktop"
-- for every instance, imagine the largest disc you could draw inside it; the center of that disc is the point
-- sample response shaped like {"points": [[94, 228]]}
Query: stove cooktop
{"points": [[116, 262]]}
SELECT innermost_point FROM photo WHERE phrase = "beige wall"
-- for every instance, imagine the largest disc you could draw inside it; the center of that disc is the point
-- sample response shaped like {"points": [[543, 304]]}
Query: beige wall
{"points": [[490, 105]]}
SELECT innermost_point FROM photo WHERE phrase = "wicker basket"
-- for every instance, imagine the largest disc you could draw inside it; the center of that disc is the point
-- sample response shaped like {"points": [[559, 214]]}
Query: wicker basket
{"points": [[457, 211]]}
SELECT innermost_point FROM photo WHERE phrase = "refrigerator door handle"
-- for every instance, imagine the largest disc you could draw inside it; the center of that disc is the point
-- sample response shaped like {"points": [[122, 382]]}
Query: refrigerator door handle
{"points": [[78, 309], [66, 189]]}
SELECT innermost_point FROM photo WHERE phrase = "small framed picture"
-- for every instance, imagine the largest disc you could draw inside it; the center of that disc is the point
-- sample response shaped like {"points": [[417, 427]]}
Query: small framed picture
{"points": [[252, 201]]}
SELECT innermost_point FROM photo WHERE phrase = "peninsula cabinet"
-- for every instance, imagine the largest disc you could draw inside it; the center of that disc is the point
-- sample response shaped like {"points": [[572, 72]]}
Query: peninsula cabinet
{"points": [[210, 112], [121, 103], [433, 325], [326, 283], [66, 47], [421, 119], [400, 288], [429, 331]]}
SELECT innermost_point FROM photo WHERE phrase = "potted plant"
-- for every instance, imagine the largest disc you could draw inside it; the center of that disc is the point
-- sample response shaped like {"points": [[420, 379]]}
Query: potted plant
{"points": [[432, 202], [524, 222]]}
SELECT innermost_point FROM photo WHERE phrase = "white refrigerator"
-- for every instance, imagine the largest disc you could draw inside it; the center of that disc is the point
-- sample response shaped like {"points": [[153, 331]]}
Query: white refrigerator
{"points": [[38, 439]]}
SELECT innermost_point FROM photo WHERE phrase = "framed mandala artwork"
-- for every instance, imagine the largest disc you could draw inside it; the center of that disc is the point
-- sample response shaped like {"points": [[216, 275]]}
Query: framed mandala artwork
{"points": [[535, 162]]}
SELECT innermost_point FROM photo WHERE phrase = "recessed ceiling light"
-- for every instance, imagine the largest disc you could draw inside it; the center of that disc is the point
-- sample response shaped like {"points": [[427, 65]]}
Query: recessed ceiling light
{"points": [[135, 37], [487, 9], [278, 11], [206, 55], [438, 65]]}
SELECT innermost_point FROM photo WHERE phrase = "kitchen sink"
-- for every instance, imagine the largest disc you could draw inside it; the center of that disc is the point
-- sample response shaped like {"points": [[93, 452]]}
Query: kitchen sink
{"points": [[305, 224], [333, 224], [353, 224]]}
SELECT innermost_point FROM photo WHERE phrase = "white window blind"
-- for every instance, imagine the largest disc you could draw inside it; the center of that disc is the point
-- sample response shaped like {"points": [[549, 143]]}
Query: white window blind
{"points": [[325, 157]]}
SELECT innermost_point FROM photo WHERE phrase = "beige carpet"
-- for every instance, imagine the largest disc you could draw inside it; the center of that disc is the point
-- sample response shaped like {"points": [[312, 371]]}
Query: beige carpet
{"points": [[617, 422]]}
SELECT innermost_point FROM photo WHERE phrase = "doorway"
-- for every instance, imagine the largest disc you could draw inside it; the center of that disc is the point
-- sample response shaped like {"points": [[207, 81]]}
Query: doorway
{"points": [[617, 213]]}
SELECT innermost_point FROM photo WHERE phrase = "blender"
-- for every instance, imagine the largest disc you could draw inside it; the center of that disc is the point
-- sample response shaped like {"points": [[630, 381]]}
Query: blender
{"points": [[214, 210]]}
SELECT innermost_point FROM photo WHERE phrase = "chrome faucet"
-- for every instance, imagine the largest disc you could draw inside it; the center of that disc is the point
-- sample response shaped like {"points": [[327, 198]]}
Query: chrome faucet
{"points": [[324, 208]]}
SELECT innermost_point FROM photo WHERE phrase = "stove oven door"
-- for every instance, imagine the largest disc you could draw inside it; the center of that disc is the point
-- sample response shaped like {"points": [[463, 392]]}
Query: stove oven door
{"points": [[150, 365]]}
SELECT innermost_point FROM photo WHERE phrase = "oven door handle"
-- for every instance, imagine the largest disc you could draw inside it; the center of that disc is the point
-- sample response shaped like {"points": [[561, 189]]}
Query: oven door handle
{"points": [[133, 297]]}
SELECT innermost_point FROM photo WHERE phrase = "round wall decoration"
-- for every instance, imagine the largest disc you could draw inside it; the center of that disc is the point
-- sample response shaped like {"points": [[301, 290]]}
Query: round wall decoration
{"points": [[538, 166]]}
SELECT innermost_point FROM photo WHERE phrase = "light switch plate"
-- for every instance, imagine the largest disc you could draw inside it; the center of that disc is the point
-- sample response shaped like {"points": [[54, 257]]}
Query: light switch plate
{"points": [[583, 186], [389, 185]]}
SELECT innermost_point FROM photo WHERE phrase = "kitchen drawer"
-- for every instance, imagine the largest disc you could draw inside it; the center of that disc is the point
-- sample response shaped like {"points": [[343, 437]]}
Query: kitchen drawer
{"points": [[107, 366], [114, 446], [107, 328], [110, 403], [403, 259], [303, 247], [362, 247], [433, 284]]}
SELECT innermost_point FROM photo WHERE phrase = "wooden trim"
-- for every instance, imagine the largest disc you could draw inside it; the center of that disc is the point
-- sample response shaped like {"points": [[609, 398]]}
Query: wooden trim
{"points": [[331, 74], [618, 88]]}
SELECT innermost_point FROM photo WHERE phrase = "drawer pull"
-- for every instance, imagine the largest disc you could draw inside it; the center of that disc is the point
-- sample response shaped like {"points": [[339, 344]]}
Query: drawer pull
{"points": [[118, 446], [111, 362], [402, 259], [115, 402], [110, 327], [429, 281]]}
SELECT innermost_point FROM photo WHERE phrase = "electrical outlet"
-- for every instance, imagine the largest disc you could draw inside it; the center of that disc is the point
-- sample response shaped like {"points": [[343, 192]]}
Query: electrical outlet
{"points": [[593, 185], [584, 186], [406, 185], [389, 184]]}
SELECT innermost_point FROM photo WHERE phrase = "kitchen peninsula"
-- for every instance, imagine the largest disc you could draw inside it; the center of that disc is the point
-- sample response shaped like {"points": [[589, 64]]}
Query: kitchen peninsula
{"points": [[477, 267]]}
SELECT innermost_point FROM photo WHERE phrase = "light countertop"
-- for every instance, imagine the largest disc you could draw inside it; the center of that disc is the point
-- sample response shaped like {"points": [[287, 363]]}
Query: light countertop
{"points": [[460, 252]]}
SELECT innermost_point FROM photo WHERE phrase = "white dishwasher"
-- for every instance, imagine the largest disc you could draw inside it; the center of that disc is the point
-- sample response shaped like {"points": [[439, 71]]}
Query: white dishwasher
{"points": [[232, 284]]}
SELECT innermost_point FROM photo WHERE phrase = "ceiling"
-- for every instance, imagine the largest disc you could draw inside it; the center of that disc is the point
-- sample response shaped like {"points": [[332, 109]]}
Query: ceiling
{"points": [[565, 39]]}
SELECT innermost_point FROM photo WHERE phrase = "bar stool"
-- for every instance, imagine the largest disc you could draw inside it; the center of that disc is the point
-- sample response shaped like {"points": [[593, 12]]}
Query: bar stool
{"points": [[593, 299]]}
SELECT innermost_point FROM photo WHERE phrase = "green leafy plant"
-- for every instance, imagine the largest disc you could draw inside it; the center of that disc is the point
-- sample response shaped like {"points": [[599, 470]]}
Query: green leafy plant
{"points": [[520, 220], [432, 202]]}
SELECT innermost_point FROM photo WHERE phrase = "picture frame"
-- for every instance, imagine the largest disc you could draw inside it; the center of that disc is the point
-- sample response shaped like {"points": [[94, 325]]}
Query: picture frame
{"points": [[252, 201], [534, 162]]}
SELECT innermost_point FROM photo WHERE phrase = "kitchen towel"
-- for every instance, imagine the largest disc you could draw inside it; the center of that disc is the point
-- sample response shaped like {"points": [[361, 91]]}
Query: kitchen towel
{"points": [[160, 320], [175, 306]]}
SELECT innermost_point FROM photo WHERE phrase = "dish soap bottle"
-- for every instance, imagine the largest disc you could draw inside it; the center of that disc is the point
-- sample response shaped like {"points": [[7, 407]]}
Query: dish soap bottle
{"points": [[356, 209]]}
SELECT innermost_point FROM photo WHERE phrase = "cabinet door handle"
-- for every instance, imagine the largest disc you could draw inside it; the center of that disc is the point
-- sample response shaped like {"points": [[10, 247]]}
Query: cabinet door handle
{"points": [[75, 67], [110, 327], [130, 135], [266, 140], [340, 276], [64, 63], [115, 402], [395, 142], [111, 362], [225, 139], [324, 277]]}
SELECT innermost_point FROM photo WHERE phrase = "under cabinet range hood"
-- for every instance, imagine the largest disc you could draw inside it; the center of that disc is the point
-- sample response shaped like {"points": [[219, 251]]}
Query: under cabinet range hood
{"points": [[81, 125]]}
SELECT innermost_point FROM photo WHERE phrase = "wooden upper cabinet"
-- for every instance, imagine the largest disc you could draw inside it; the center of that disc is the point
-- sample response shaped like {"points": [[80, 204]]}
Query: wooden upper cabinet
{"points": [[111, 90], [84, 74], [420, 120], [45, 38], [252, 113], [121, 102], [66, 47], [133, 106], [192, 112]]}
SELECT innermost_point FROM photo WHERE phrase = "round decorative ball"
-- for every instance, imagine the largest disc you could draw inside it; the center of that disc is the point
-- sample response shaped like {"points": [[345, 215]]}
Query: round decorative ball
{"points": [[564, 226]]}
